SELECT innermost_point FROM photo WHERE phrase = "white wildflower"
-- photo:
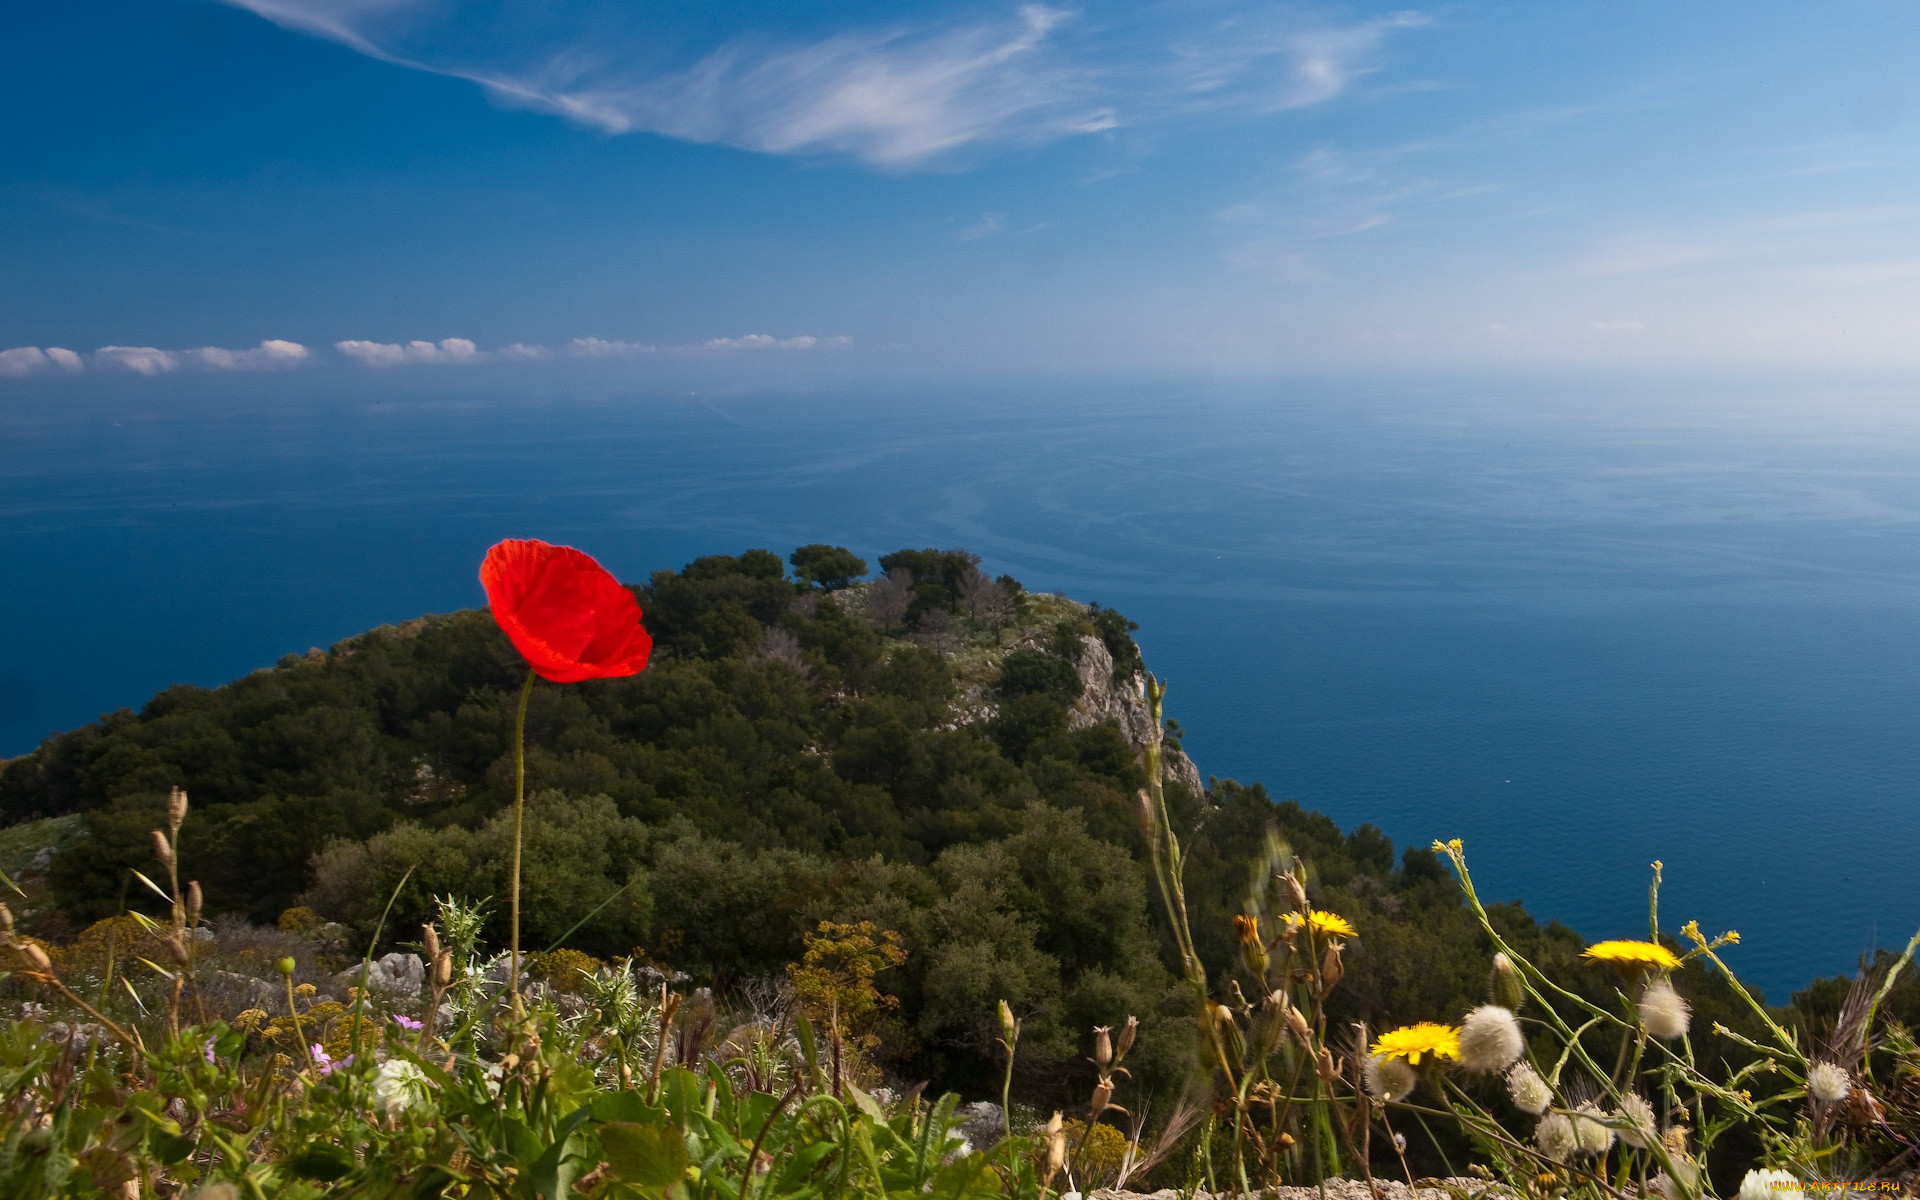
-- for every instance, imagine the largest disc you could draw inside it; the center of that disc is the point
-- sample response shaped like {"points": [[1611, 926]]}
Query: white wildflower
{"points": [[1771, 1185], [1638, 1114], [398, 1086], [1388, 1077], [1593, 1135], [1663, 1012], [1490, 1039], [1828, 1082], [1530, 1092], [1556, 1137]]}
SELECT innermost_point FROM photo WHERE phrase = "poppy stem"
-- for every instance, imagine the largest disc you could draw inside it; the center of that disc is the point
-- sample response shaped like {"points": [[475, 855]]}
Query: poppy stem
{"points": [[519, 809]]}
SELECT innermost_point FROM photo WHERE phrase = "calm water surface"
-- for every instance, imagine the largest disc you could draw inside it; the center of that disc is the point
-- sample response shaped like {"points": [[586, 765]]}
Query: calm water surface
{"points": [[1580, 629]]}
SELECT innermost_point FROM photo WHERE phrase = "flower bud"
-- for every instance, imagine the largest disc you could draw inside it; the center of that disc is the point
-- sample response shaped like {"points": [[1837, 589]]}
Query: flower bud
{"points": [[1253, 948], [194, 899], [1103, 1046], [6, 921], [1505, 984], [285, 966], [1296, 892], [1009, 1028], [176, 807], [162, 849]]}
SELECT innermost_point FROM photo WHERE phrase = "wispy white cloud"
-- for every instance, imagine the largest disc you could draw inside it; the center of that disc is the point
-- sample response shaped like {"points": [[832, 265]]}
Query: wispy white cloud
{"points": [[988, 225], [894, 93], [1269, 59], [31, 360], [593, 347], [397, 354], [141, 360], [268, 355], [765, 341]]}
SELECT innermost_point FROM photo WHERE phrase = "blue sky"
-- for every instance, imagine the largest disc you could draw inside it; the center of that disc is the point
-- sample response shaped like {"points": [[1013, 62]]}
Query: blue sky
{"points": [[783, 192]]}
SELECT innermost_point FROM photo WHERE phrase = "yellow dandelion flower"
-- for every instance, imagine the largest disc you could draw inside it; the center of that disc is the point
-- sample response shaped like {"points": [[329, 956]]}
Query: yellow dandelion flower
{"points": [[1411, 1042], [1324, 923], [1632, 954]]}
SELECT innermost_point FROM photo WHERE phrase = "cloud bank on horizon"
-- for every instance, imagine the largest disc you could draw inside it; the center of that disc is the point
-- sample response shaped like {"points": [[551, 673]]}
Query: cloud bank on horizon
{"points": [[276, 354], [938, 80]]}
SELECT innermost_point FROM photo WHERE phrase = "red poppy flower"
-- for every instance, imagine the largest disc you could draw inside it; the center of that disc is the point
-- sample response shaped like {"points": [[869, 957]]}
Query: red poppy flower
{"points": [[564, 612]]}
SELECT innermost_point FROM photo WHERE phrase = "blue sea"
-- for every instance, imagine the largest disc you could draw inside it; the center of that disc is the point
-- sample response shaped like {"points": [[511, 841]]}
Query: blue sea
{"points": [[1580, 625]]}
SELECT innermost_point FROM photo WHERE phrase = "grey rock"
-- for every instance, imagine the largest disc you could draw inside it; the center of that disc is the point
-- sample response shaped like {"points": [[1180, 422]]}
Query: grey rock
{"points": [[399, 976], [1103, 697]]}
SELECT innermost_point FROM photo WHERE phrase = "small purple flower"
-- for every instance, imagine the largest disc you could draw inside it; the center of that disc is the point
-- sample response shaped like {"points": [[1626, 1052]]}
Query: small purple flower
{"points": [[208, 1051], [406, 1022], [324, 1061]]}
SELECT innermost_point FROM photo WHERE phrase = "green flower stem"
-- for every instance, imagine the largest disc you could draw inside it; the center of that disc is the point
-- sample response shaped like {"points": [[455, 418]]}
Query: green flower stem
{"points": [[519, 812]]}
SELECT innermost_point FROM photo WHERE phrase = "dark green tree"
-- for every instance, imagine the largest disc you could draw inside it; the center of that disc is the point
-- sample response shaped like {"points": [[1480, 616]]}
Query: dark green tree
{"points": [[827, 567]]}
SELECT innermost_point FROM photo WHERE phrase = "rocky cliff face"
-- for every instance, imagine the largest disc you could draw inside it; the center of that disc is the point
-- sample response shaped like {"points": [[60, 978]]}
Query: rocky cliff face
{"points": [[1105, 698]]}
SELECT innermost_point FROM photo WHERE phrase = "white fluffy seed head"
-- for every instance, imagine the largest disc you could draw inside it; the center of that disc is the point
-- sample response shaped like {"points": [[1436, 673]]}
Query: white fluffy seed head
{"points": [[1828, 1082], [1770, 1185], [1638, 1114], [1555, 1137], [1663, 1012], [1590, 1132], [399, 1086], [1388, 1077], [1490, 1039], [1530, 1092]]}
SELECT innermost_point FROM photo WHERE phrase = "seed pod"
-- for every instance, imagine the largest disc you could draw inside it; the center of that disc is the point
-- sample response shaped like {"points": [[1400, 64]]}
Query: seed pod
{"points": [[36, 955], [1102, 1097], [193, 903], [6, 921], [177, 949], [1297, 1024], [1332, 970], [1056, 1145], [1325, 1067], [443, 969], [1505, 984], [1103, 1046], [285, 966], [162, 849], [176, 807], [1126, 1039], [430, 941]]}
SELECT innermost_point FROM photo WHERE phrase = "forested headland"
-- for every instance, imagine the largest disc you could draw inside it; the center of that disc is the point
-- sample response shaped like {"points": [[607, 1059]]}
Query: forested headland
{"points": [[933, 750]]}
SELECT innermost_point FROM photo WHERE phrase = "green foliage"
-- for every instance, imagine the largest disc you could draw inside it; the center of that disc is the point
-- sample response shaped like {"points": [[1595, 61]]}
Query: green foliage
{"points": [[827, 567]]}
